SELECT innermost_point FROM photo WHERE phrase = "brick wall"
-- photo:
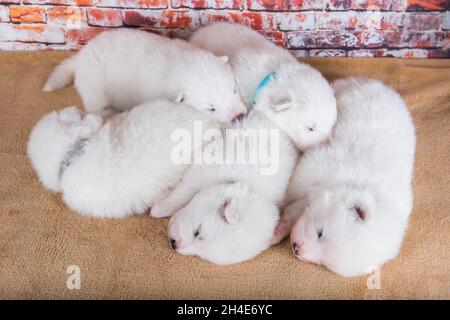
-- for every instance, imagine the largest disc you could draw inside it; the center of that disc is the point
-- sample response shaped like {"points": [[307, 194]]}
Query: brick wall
{"points": [[316, 28]]}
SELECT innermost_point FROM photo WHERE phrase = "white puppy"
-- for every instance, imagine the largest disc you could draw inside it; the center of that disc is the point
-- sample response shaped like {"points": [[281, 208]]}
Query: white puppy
{"points": [[116, 169], [270, 79], [353, 197], [120, 69], [227, 213]]}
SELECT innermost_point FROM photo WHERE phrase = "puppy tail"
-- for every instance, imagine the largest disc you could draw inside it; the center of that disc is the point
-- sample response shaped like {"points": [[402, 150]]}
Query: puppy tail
{"points": [[62, 75]]}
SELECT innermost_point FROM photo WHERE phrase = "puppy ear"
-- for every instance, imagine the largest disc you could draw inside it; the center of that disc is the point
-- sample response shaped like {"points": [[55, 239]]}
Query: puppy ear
{"points": [[180, 98], [362, 213], [229, 211], [363, 207], [224, 59], [280, 103]]}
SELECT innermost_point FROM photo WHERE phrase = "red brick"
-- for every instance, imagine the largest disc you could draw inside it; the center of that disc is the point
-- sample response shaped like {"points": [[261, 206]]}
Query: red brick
{"points": [[4, 15], [398, 5], [427, 5], [65, 47], [142, 18], [32, 33], [327, 53], [446, 21], [171, 33], [259, 20], [413, 39], [324, 39], [72, 17], [373, 5], [62, 2], [212, 16], [422, 21], [170, 19], [439, 53], [276, 37], [407, 53], [379, 20], [302, 26], [337, 20], [21, 46], [104, 17], [180, 19], [26, 14], [293, 21], [83, 35], [373, 39], [146, 4], [277, 5], [367, 53], [208, 4], [338, 4], [299, 53], [446, 41]]}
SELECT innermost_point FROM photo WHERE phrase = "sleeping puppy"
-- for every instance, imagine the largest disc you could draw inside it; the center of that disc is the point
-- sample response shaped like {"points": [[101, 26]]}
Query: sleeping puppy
{"points": [[271, 80], [227, 212], [120, 69], [351, 199], [117, 168]]}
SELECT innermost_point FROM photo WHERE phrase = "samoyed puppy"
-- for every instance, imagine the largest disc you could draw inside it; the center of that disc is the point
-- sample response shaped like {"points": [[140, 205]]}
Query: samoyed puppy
{"points": [[117, 168], [273, 81], [120, 69], [353, 196], [227, 212]]}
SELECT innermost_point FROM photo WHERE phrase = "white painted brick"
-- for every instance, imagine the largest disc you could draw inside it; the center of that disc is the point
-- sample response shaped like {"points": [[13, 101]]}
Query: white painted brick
{"points": [[4, 15], [31, 33]]}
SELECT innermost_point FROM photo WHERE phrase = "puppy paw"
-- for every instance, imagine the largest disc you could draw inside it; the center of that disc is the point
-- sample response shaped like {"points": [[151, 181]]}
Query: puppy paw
{"points": [[93, 122], [281, 231], [86, 127], [69, 115], [159, 210]]}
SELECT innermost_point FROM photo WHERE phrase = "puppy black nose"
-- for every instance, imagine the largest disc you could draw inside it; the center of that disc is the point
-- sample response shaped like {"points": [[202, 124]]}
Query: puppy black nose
{"points": [[173, 243]]}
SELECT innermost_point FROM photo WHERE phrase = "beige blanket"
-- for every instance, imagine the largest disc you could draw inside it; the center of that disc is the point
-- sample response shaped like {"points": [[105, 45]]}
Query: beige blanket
{"points": [[131, 258]]}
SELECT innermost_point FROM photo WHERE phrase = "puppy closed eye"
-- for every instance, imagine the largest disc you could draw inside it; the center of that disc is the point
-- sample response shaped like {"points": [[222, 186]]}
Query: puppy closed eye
{"points": [[212, 109], [319, 234], [311, 128], [197, 233]]}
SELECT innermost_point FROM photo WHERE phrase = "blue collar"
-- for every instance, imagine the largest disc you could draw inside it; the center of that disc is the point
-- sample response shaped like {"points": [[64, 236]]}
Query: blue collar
{"points": [[262, 84]]}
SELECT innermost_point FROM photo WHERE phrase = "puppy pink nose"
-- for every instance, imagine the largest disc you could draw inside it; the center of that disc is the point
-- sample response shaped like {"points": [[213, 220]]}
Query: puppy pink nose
{"points": [[326, 139], [174, 236], [238, 117], [176, 243], [296, 249]]}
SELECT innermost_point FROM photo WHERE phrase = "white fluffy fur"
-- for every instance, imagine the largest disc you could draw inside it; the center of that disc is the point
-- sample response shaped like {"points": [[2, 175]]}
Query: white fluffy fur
{"points": [[300, 100], [233, 207], [125, 164], [355, 193], [120, 69]]}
